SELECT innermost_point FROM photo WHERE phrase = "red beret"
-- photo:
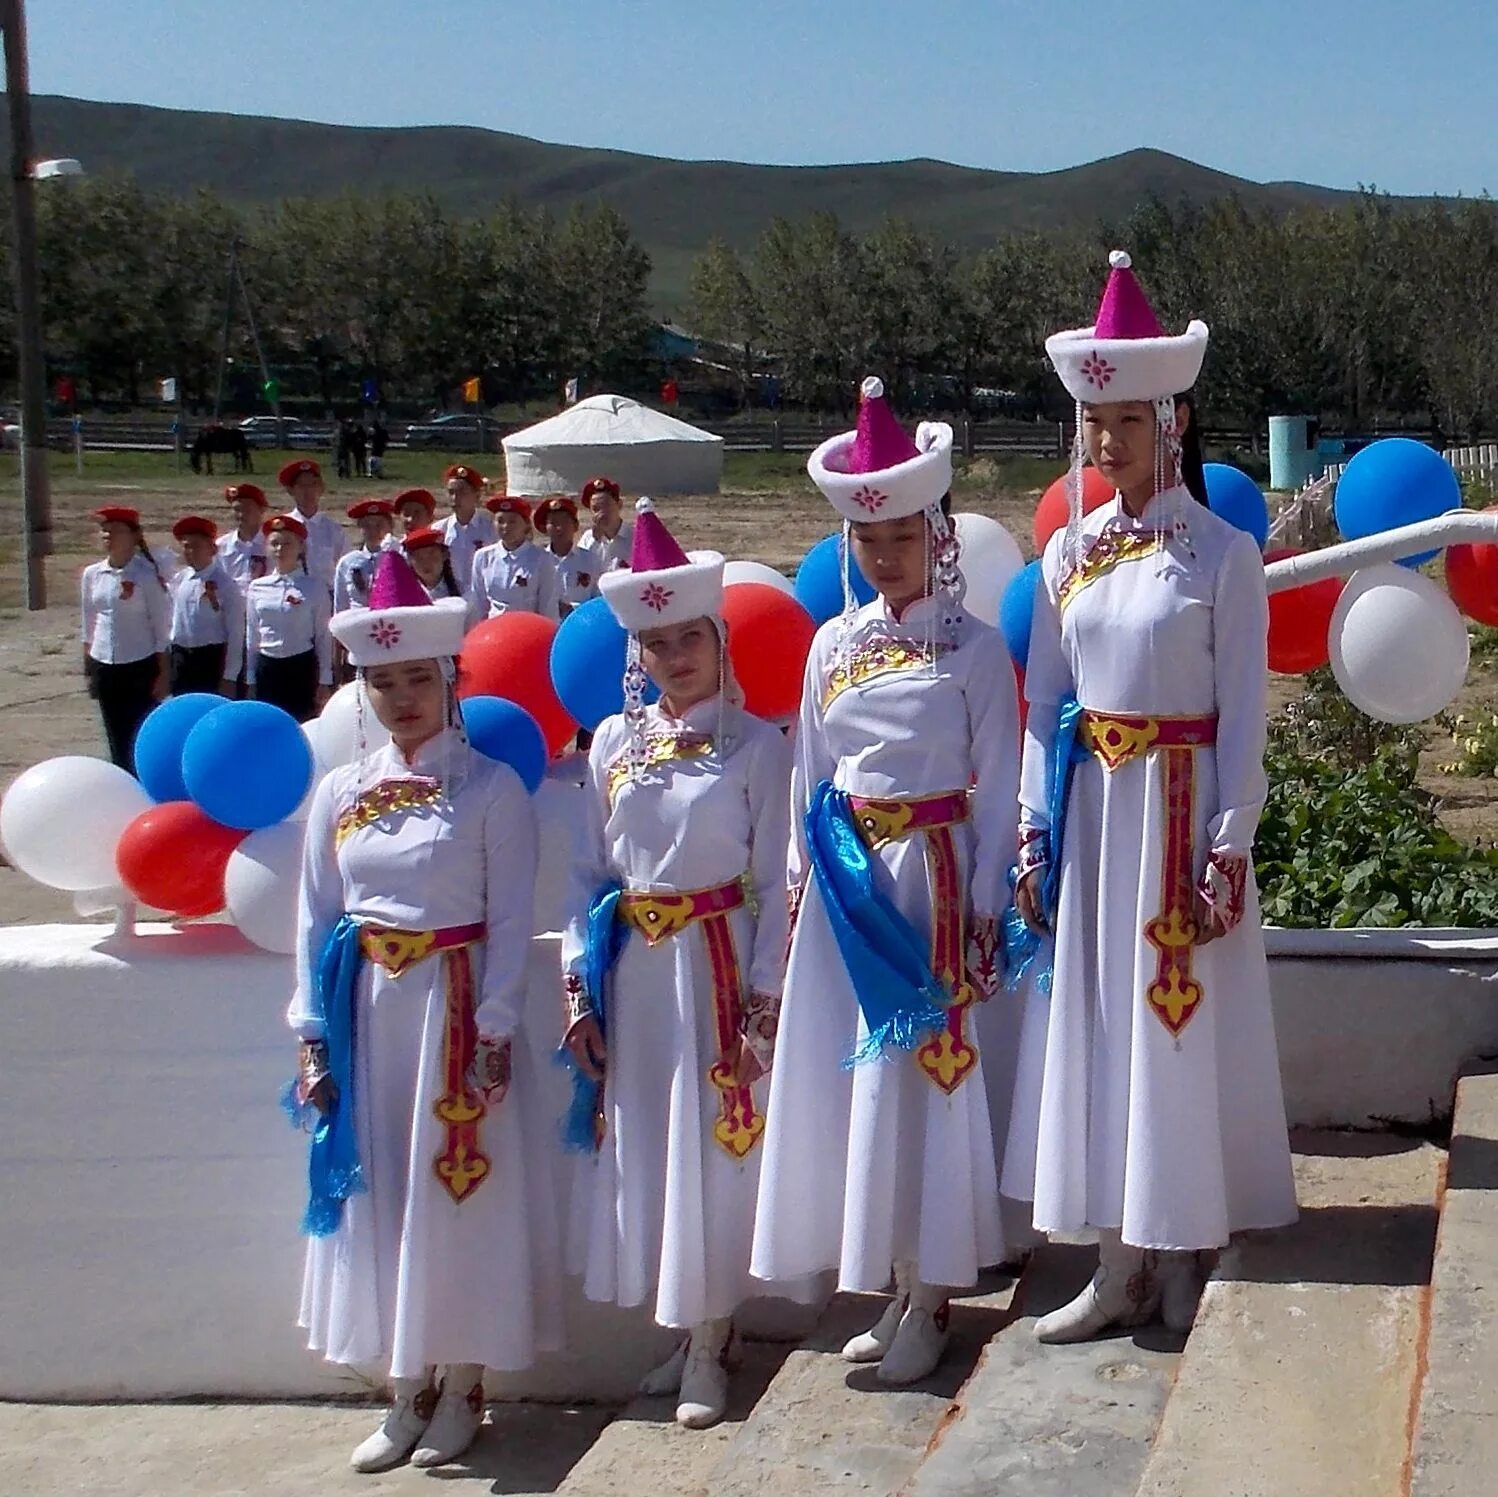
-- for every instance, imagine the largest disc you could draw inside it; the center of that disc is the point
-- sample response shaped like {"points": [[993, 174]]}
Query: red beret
{"points": [[194, 525], [508, 504], [371, 507], [294, 470], [467, 474], [423, 535], [551, 502], [599, 486], [119, 514], [284, 522], [233, 491], [416, 496]]}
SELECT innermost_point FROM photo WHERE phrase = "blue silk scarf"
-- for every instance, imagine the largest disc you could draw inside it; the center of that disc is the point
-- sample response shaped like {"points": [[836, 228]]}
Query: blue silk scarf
{"points": [[605, 940]]}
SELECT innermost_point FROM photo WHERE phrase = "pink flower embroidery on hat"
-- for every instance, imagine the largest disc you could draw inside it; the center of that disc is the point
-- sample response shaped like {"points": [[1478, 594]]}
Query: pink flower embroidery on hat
{"points": [[1096, 370], [869, 498], [386, 633], [655, 596]]}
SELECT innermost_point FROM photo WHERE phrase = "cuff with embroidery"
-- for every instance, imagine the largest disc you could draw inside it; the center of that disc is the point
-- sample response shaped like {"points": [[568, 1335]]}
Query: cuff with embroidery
{"points": [[576, 1005], [982, 956], [489, 1072], [760, 1026], [1224, 888], [1034, 850], [311, 1067]]}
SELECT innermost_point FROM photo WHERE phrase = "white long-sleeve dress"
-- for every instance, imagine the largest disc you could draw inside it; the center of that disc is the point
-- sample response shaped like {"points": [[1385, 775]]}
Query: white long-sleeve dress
{"points": [[663, 1212], [413, 1275], [881, 1162], [1138, 1108]]}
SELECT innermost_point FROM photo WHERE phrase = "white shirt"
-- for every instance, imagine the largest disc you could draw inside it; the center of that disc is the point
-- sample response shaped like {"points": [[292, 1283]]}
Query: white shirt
{"points": [[326, 542], [611, 554], [465, 541], [577, 577], [524, 579], [245, 560], [208, 609], [353, 576], [287, 614], [127, 612]]}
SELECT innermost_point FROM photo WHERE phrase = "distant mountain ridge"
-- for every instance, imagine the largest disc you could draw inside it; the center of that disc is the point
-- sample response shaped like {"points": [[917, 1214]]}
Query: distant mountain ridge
{"points": [[673, 207]]}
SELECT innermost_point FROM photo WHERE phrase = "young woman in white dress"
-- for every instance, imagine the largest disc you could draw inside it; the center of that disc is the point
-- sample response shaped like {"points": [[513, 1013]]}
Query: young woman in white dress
{"points": [[1149, 1099], [683, 868], [903, 814], [432, 1233]]}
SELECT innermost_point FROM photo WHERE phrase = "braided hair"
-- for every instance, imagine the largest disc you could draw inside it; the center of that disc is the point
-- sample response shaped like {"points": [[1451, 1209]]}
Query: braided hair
{"points": [[150, 556]]}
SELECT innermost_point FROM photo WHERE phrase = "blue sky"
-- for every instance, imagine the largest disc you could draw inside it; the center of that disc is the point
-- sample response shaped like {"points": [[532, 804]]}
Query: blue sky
{"points": [[1320, 90]]}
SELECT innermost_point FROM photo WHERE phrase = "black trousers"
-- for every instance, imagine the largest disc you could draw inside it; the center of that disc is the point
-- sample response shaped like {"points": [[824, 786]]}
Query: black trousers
{"points": [[124, 693], [289, 683], [197, 668]]}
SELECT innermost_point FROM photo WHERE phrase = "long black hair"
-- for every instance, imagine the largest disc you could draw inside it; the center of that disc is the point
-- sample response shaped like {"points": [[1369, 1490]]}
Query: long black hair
{"points": [[1193, 474]]}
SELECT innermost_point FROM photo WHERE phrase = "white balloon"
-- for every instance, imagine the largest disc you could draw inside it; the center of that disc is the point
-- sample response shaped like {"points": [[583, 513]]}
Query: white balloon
{"points": [[990, 557], [260, 885], [61, 820], [757, 571], [319, 771], [337, 731], [1399, 647]]}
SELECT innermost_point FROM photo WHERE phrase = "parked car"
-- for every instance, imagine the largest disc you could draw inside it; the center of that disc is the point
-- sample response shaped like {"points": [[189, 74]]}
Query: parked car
{"points": [[454, 433], [10, 428], [279, 431]]}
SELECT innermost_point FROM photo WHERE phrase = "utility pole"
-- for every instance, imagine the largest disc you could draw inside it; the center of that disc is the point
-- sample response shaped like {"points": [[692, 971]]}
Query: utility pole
{"points": [[36, 499]]}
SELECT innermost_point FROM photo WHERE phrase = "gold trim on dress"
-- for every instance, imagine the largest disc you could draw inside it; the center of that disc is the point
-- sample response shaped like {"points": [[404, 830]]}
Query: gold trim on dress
{"points": [[1110, 550], [660, 748], [382, 800], [869, 659]]}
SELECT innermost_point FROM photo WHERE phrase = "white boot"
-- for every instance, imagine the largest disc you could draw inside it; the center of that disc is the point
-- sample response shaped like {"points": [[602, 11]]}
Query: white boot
{"points": [[396, 1438], [459, 1413], [1124, 1291], [661, 1381], [920, 1340], [1181, 1283], [704, 1378], [872, 1344]]}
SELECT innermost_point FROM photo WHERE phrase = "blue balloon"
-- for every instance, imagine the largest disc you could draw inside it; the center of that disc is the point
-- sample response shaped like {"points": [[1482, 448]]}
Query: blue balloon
{"points": [[819, 580], [588, 655], [1016, 608], [1235, 497], [247, 765], [158, 745], [1394, 482], [507, 733]]}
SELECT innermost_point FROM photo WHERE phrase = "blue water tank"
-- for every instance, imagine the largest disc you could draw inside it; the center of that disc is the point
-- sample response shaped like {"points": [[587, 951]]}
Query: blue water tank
{"points": [[1294, 460]]}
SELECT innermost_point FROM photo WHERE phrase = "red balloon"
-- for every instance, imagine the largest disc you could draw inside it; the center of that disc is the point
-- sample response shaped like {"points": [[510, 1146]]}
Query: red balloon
{"points": [[1050, 513], [1300, 621], [769, 638], [509, 656], [173, 857], [1472, 579]]}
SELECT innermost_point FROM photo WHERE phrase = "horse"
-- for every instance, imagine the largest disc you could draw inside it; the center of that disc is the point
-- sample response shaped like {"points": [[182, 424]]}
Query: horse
{"points": [[226, 441]]}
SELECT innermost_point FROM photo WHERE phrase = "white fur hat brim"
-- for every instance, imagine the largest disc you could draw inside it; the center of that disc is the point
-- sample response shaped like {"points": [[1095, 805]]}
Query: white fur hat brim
{"points": [[908, 488], [671, 595], [1099, 370], [387, 635]]}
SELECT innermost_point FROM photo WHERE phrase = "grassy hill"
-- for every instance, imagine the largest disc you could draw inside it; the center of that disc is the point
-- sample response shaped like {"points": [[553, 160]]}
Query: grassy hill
{"points": [[673, 206]]}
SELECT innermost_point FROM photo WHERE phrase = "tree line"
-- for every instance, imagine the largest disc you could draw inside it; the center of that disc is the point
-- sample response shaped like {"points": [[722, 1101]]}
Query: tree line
{"points": [[1369, 310]]}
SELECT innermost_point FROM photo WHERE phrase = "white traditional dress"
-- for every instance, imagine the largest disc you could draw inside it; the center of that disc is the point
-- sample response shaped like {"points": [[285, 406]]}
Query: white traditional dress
{"points": [[450, 1255], [893, 1158], [663, 1212], [1149, 1095]]}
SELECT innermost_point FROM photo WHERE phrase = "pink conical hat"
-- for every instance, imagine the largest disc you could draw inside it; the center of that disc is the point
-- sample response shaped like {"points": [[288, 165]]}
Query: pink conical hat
{"points": [[1124, 312], [654, 547], [395, 585], [881, 443]]}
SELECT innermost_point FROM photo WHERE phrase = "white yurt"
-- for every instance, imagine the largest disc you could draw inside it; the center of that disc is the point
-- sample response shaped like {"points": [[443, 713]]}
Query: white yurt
{"points": [[643, 450]]}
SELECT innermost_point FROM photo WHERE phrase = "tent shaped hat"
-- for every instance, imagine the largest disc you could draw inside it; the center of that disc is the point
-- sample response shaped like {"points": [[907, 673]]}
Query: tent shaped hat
{"points": [[877, 472], [401, 622], [1126, 354], [664, 584]]}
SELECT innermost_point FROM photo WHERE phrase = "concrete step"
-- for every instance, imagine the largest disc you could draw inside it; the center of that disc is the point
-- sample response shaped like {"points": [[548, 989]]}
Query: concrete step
{"points": [[826, 1426], [1298, 1375], [1052, 1421], [1454, 1451]]}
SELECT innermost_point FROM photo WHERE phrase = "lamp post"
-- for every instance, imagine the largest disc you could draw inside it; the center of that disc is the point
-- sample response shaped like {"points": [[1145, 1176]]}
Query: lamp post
{"points": [[36, 501]]}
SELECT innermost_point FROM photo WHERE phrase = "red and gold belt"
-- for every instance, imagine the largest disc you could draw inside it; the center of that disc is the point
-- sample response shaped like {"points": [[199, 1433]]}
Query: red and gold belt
{"points": [[462, 1166], [1174, 993], [658, 917], [948, 1057]]}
